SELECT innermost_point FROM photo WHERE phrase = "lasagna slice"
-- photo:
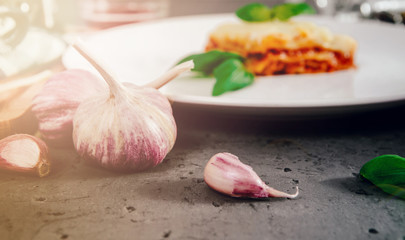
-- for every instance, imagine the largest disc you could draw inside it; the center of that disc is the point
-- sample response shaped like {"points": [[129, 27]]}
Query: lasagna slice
{"points": [[289, 47]]}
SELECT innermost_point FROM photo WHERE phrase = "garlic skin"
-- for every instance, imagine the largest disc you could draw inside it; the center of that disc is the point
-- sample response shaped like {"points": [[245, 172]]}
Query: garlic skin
{"points": [[56, 103], [131, 131], [225, 173], [24, 153]]}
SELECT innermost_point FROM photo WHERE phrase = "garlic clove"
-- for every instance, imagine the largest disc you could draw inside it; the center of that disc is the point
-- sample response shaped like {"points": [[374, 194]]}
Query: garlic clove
{"points": [[225, 173], [56, 103], [24, 153]]}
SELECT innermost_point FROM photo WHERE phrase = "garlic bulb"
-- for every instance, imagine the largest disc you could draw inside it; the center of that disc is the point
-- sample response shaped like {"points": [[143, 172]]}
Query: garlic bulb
{"points": [[225, 173], [24, 153], [128, 128], [56, 103]]}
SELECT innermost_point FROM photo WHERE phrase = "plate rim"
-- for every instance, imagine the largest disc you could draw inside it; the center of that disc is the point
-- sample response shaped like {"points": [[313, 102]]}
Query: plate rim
{"points": [[224, 102]]}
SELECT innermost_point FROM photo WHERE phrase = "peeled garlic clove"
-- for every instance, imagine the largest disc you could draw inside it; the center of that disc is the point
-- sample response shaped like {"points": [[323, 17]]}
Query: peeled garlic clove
{"points": [[128, 128], [58, 100], [24, 153], [225, 173]]}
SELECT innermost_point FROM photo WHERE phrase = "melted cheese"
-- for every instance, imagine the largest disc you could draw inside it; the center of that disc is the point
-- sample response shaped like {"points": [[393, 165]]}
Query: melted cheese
{"points": [[259, 37]]}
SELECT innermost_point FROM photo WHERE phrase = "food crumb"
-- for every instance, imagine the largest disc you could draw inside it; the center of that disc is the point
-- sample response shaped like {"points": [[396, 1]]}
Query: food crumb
{"points": [[130, 209], [215, 204], [373, 231], [64, 236], [40, 199], [253, 206], [167, 234]]}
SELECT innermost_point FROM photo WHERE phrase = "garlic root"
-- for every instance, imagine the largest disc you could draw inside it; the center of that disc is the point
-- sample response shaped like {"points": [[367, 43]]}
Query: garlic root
{"points": [[24, 153], [225, 173]]}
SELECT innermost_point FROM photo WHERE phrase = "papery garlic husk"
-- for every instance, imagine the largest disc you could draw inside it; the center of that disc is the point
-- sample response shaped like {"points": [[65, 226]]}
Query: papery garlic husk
{"points": [[225, 173], [24, 153], [128, 127], [131, 131], [56, 104]]}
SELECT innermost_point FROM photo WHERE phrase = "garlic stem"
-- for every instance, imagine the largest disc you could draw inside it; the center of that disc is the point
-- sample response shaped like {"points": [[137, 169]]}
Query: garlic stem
{"points": [[171, 74], [116, 87]]}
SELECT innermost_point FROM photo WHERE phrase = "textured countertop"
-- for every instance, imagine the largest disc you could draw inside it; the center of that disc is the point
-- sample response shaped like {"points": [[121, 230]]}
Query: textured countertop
{"points": [[172, 201], [322, 155]]}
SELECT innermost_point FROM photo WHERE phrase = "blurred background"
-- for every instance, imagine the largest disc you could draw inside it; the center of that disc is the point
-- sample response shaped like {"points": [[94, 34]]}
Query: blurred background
{"points": [[75, 13], [49, 24], [65, 15]]}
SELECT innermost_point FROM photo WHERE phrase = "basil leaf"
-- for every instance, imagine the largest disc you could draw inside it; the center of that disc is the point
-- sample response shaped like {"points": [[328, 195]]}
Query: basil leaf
{"points": [[254, 12], [206, 62], [231, 75], [257, 12], [285, 11], [386, 172]]}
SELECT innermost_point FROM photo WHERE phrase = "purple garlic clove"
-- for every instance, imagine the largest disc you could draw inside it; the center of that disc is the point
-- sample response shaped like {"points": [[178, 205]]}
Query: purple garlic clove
{"points": [[225, 173], [24, 153], [56, 104]]}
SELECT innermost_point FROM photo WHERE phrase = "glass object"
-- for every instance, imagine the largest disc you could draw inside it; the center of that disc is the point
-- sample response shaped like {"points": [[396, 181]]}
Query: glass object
{"points": [[26, 43], [110, 13], [385, 10], [345, 10], [13, 27]]}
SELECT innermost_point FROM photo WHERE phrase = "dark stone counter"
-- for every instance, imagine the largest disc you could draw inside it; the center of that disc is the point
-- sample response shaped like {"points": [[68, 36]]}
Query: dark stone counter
{"points": [[321, 156]]}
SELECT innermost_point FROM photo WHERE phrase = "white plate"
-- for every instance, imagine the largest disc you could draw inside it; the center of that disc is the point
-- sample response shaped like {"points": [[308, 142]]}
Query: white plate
{"points": [[139, 53]]}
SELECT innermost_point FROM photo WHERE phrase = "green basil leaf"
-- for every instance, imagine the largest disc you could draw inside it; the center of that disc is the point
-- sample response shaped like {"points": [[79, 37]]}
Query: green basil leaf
{"points": [[386, 172], [254, 12], [285, 11], [257, 12], [231, 75], [206, 62]]}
